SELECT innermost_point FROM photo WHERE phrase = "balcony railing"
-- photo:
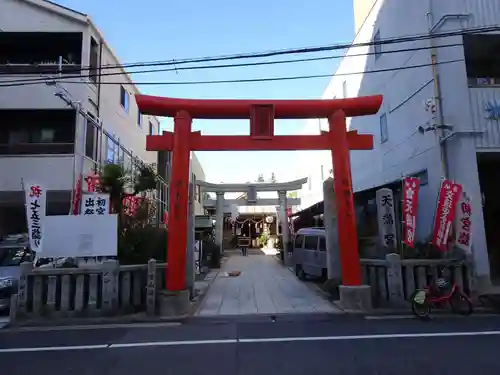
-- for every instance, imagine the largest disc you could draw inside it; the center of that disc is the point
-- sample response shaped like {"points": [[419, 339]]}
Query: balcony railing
{"points": [[36, 148], [42, 68]]}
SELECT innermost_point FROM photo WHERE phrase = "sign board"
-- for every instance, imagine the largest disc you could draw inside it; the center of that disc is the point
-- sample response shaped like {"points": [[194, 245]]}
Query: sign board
{"points": [[492, 109], [95, 204], [386, 218], [36, 203], [81, 236], [203, 221], [252, 194]]}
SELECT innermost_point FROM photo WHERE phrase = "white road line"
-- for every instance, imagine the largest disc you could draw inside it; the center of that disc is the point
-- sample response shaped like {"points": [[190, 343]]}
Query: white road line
{"points": [[172, 343], [53, 348], [244, 341], [93, 327], [384, 317], [372, 337]]}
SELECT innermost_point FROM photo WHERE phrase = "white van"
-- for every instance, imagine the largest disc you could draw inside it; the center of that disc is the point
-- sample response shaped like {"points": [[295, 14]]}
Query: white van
{"points": [[309, 252]]}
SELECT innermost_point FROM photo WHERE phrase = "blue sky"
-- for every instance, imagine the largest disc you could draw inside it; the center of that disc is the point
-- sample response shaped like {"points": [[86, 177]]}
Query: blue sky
{"points": [[164, 30]]}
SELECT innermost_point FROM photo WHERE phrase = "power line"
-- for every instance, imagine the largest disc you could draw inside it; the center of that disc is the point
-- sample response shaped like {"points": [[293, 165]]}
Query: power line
{"points": [[204, 67], [394, 40], [267, 79]]}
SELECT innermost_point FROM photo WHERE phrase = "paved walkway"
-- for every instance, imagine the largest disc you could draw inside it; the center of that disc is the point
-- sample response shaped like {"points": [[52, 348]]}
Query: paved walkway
{"points": [[263, 287]]}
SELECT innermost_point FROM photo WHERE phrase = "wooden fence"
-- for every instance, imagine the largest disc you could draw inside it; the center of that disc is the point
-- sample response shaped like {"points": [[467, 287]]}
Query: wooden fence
{"points": [[393, 280], [101, 290]]}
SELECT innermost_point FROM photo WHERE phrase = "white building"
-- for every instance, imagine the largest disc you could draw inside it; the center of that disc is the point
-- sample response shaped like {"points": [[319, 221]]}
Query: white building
{"points": [[39, 129], [468, 83]]}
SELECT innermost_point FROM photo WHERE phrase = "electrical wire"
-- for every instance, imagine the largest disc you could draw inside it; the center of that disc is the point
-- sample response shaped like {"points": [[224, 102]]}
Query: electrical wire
{"points": [[250, 80], [325, 48], [203, 67]]}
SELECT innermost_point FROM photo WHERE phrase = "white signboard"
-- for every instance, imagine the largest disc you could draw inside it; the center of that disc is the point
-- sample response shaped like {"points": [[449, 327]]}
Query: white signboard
{"points": [[81, 236], [95, 204], [36, 200], [386, 218]]}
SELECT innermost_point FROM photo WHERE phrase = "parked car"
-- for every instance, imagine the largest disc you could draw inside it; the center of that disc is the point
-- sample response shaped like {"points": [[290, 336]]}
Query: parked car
{"points": [[309, 253], [14, 250]]}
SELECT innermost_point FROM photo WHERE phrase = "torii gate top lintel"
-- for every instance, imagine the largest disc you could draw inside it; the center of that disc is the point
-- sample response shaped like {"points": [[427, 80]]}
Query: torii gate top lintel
{"points": [[242, 109], [259, 186]]}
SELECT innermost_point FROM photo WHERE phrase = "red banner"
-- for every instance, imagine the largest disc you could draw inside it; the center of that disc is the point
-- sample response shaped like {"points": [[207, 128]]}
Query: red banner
{"points": [[464, 224], [449, 196], [131, 203], [411, 186]]}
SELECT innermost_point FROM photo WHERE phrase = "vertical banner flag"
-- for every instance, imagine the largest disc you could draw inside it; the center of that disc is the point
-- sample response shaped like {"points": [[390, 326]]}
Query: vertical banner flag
{"points": [[464, 224], [36, 200], [449, 195], [411, 186]]}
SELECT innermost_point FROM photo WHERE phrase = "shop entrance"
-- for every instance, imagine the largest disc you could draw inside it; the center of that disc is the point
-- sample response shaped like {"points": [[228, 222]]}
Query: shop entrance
{"points": [[261, 114], [489, 165]]}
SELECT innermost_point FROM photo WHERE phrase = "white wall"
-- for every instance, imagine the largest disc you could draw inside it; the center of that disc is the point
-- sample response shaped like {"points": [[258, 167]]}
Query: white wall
{"points": [[405, 90], [199, 174]]}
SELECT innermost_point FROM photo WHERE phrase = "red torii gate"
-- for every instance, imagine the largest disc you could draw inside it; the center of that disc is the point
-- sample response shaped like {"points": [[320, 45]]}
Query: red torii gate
{"points": [[261, 114]]}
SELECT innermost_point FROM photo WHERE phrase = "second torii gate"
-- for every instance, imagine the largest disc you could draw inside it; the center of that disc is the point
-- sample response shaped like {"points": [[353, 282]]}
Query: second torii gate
{"points": [[262, 114]]}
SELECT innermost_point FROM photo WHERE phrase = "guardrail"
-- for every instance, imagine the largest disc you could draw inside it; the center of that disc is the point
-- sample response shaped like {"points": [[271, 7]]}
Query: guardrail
{"points": [[393, 280], [101, 290]]}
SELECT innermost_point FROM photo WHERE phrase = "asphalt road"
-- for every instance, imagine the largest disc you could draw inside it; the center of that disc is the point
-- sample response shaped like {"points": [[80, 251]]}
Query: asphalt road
{"points": [[291, 345]]}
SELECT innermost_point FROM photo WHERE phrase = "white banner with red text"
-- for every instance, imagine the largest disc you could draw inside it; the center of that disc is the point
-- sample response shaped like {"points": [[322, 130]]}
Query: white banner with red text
{"points": [[36, 201]]}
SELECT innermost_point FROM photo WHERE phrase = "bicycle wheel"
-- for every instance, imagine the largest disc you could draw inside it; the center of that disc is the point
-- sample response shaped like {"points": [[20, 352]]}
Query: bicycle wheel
{"points": [[461, 304], [419, 305]]}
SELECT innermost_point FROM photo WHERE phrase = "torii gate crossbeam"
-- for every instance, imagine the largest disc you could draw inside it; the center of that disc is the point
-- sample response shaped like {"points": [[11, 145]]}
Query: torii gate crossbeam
{"points": [[262, 114]]}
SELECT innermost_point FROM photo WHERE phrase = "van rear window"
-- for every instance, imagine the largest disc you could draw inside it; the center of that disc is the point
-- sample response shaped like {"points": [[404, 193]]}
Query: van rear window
{"points": [[322, 244], [311, 242], [299, 240]]}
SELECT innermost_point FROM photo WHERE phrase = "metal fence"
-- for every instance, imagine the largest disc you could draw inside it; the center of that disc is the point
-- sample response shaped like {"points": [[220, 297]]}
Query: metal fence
{"points": [[101, 148]]}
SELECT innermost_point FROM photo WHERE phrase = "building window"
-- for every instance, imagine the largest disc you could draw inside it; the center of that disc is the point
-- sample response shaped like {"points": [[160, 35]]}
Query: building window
{"points": [[124, 98], [384, 132], [113, 150], [32, 132], [482, 59], [151, 128], [90, 137], [139, 118], [344, 89], [377, 47], [94, 60]]}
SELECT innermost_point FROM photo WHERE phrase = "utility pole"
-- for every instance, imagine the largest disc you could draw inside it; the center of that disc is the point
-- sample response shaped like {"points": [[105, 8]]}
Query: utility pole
{"points": [[437, 100]]}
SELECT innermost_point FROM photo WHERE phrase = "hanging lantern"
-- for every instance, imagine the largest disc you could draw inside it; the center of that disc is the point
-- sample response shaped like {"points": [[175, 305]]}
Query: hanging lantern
{"points": [[269, 219]]}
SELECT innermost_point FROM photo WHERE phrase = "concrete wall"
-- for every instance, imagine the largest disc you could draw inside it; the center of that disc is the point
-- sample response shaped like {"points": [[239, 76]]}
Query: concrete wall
{"points": [[199, 174], [38, 15]]}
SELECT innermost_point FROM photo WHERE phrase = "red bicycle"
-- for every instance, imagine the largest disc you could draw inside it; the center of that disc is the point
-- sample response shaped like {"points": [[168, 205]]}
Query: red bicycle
{"points": [[440, 293]]}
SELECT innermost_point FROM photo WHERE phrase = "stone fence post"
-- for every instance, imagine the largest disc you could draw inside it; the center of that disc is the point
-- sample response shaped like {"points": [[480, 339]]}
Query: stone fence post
{"points": [[151, 288], [110, 275], [395, 279], [22, 291]]}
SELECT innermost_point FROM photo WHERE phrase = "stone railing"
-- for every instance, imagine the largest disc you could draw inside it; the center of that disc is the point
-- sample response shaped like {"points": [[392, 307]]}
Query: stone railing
{"points": [[101, 290], [394, 280]]}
